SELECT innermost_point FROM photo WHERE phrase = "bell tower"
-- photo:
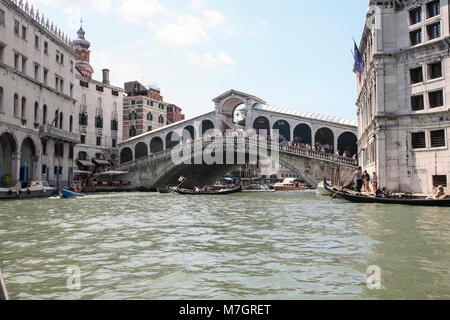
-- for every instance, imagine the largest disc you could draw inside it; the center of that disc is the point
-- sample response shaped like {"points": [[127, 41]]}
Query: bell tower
{"points": [[82, 46]]}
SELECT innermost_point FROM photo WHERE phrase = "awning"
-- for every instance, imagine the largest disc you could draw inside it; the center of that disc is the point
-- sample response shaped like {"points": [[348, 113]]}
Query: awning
{"points": [[101, 162], [86, 163], [81, 172], [110, 173]]}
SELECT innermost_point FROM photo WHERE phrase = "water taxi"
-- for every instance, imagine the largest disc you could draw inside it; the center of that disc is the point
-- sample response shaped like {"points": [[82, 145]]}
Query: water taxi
{"points": [[290, 184], [26, 190]]}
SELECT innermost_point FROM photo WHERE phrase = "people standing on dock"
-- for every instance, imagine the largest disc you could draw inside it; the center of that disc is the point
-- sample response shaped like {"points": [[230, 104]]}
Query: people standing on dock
{"points": [[374, 182], [366, 180]]}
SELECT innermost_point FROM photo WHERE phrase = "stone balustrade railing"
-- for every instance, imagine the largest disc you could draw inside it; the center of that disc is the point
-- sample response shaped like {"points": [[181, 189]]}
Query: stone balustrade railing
{"points": [[249, 143]]}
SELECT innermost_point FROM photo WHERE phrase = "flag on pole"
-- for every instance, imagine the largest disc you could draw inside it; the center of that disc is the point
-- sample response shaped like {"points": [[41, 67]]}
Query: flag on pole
{"points": [[359, 65]]}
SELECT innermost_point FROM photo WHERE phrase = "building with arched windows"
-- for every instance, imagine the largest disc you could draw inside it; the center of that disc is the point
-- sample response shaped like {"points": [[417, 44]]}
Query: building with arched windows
{"points": [[37, 96], [144, 110], [99, 112]]}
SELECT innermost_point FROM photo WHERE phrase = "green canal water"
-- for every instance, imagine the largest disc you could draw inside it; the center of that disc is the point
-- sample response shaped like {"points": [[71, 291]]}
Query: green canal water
{"points": [[242, 246]]}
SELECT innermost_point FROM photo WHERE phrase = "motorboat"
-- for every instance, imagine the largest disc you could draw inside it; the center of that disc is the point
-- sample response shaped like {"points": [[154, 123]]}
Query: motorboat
{"points": [[290, 184], [27, 190], [68, 193]]}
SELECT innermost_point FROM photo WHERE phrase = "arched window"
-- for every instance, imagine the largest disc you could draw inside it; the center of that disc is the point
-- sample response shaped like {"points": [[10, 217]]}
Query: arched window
{"points": [[99, 103], [1, 99], [23, 112], [16, 105], [161, 119], [36, 112], [71, 124], [132, 115], [61, 120], [149, 116], [44, 114]]}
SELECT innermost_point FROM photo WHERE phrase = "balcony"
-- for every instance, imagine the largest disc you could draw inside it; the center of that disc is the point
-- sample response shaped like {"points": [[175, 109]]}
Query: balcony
{"points": [[83, 109], [98, 132], [47, 131], [115, 116], [83, 129], [133, 122], [99, 112], [114, 134]]}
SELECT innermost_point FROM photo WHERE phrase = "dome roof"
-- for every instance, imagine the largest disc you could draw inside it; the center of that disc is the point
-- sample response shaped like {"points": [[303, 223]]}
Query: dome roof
{"points": [[81, 42]]}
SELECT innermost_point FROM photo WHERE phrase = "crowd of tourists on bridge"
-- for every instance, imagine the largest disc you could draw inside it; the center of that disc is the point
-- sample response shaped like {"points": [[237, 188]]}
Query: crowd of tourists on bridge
{"points": [[296, 143]]}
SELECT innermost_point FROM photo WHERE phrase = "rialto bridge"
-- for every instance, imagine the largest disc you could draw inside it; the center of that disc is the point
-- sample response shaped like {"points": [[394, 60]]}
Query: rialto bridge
{"points": [[146, 158]]}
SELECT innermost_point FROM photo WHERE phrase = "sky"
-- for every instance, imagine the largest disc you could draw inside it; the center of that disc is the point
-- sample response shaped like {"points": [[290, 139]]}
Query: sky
{"points": [[293, 54]]}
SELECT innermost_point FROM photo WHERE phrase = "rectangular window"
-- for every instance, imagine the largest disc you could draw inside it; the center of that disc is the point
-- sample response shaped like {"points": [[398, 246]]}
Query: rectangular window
{"points": [[2, 17], [44, 169], [57, 56], [45, 76], [418, 140], [36, 42], [114, 143], [416, 75], [45, 47], [24, 64], [36, 72], [115, 93], [99, 141], [71, 65], [433, 9], [417, 103], [437, 138], [56, 83], [435, 70], [16, 27], [61, 85], [2, 47], [436, 99], [133, 102], [71, 90], [99, 88], [62, 58], [434, 31], [415, 16], [24, 33], [440, 181], [84, 84], [416, 37], [83, 139], [16, 61]]}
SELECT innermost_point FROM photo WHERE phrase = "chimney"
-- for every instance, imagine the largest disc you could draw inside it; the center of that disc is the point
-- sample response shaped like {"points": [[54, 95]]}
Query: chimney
{"points": [[105, 76]]}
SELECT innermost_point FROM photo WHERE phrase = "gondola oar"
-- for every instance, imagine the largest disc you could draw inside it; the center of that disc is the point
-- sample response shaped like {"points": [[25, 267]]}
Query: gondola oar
{"points": [[3, 293], [334, 195]]}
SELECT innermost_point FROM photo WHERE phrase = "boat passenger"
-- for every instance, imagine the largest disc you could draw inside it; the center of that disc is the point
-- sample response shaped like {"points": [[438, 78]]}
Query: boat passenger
{"points": [[374, 181], [359, 179], [440, 194]]}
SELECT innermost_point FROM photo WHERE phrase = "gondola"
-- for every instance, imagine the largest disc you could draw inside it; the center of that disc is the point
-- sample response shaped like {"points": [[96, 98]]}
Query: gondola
{"points": [[212, 192], [164, 190], [405, 200]]}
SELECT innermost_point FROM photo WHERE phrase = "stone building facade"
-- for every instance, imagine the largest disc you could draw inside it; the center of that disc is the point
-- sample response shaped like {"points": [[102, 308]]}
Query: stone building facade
{"points": [[99, 111], [38, 122], [174, 114], [144, 110], [404, 94]]}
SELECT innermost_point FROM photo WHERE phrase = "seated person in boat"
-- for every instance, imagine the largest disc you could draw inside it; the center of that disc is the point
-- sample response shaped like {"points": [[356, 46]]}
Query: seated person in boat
{"points": [[440, 194]]}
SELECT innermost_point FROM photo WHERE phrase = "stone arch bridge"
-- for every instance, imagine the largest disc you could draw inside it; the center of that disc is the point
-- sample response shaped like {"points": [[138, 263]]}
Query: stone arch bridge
{"points": [[148, 158]]}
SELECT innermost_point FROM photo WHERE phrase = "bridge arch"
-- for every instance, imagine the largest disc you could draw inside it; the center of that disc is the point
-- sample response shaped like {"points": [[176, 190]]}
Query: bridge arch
{"points": [[156, 145], [141, 150], [229, 106], [172, 139], [303, 134], [207, 125], [126, 155], [190, 129], [284, 129], [261, 123], [348, 142], [325, 137]]}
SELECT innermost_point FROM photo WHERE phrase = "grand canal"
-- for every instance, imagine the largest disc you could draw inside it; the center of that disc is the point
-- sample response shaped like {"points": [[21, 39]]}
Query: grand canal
{"points": [[242, 246]]}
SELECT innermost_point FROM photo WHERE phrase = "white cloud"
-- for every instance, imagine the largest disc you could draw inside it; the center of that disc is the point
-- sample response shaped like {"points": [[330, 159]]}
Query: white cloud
{"points": [[209, 61], [212, 19], [197, 4], [134, 11]]}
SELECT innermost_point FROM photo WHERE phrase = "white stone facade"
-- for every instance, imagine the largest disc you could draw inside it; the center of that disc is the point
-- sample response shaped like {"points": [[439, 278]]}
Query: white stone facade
{"points": [[403, 110], [38, 122]]}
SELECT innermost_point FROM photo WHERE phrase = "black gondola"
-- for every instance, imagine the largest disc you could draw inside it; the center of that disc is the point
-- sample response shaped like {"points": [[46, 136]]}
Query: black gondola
{"points": [[407, 200], [212, 192]]}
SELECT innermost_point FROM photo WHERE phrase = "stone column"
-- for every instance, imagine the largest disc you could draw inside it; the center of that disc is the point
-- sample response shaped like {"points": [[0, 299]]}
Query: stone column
{"points": [[15, 175]]}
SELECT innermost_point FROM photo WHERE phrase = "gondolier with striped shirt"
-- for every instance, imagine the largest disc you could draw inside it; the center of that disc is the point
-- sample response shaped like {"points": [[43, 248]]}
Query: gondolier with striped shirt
{"points": [[359, 179]]}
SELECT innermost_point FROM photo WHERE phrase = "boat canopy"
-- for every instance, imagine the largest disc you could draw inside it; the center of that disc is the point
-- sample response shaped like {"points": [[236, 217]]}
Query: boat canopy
{"points": [[110, 173], [86, 163], [101, 162], [81, 172]]}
